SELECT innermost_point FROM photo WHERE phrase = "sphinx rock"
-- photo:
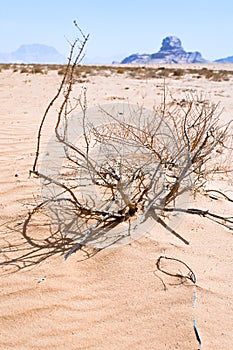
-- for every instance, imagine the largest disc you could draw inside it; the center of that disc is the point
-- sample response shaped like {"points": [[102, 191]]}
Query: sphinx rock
{"points": [[171, 44]]}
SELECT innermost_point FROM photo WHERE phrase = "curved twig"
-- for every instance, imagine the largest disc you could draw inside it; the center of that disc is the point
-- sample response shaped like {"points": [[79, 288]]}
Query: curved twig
{"points": [[221, 193], [191, 276]]}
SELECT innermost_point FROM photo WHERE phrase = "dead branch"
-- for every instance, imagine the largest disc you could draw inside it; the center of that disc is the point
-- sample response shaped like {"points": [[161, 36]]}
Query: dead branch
{"points": [[70, 67], [226, 221], [221, 193], [190, 275]]}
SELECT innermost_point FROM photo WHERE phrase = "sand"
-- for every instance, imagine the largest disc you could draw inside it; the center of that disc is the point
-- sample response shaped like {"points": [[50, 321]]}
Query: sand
{"points": [[115, 299]]}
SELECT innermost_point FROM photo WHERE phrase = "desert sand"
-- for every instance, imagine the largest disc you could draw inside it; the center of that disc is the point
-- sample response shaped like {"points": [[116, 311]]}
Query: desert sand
{"points": [[116, 298]]}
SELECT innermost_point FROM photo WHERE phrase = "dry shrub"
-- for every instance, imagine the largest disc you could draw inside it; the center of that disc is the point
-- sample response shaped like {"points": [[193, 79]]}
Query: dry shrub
{"points": [[61, 71], [39, 69], [166, 153], [129, 165], [25, 70], [120, 71], [145, 162]]}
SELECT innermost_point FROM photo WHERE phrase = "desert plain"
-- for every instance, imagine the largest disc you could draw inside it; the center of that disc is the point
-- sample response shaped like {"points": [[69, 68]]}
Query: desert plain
{"points": [[116, 298]]}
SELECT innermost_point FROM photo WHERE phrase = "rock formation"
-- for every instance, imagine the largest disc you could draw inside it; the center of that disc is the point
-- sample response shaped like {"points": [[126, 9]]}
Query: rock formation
{"points": [[171, 51]]}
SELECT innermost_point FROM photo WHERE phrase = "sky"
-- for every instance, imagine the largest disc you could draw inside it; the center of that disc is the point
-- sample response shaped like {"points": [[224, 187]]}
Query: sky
{"points": [[119, 28]]}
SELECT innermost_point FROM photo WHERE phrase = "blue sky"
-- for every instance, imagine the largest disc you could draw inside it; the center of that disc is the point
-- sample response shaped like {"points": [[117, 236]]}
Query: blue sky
{"points": [[119, 28]]}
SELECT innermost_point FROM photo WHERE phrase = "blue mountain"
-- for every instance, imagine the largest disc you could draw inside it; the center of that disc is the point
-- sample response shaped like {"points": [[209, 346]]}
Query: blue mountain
{"points": [[35, 53], [228, 59]]}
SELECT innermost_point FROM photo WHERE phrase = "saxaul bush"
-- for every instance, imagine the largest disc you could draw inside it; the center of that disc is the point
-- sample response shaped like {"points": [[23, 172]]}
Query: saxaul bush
{"points": [[134, 165]]}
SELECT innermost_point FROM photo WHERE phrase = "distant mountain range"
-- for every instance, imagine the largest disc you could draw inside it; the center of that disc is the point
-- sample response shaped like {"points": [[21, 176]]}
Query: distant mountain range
{"points": [[35, 53], [171, 51]]}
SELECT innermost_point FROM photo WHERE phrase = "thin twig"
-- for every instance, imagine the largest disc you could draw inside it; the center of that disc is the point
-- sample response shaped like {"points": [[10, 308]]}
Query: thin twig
{"points": [[191, 276], [222, 194]]}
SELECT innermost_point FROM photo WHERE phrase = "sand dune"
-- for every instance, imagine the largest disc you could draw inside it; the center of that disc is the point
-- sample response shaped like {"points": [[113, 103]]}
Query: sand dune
{"points": [[114, 299]]}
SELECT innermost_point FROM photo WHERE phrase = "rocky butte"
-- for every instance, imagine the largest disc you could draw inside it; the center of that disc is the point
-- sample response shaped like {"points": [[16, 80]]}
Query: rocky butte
{"points": [[171, 51]]}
